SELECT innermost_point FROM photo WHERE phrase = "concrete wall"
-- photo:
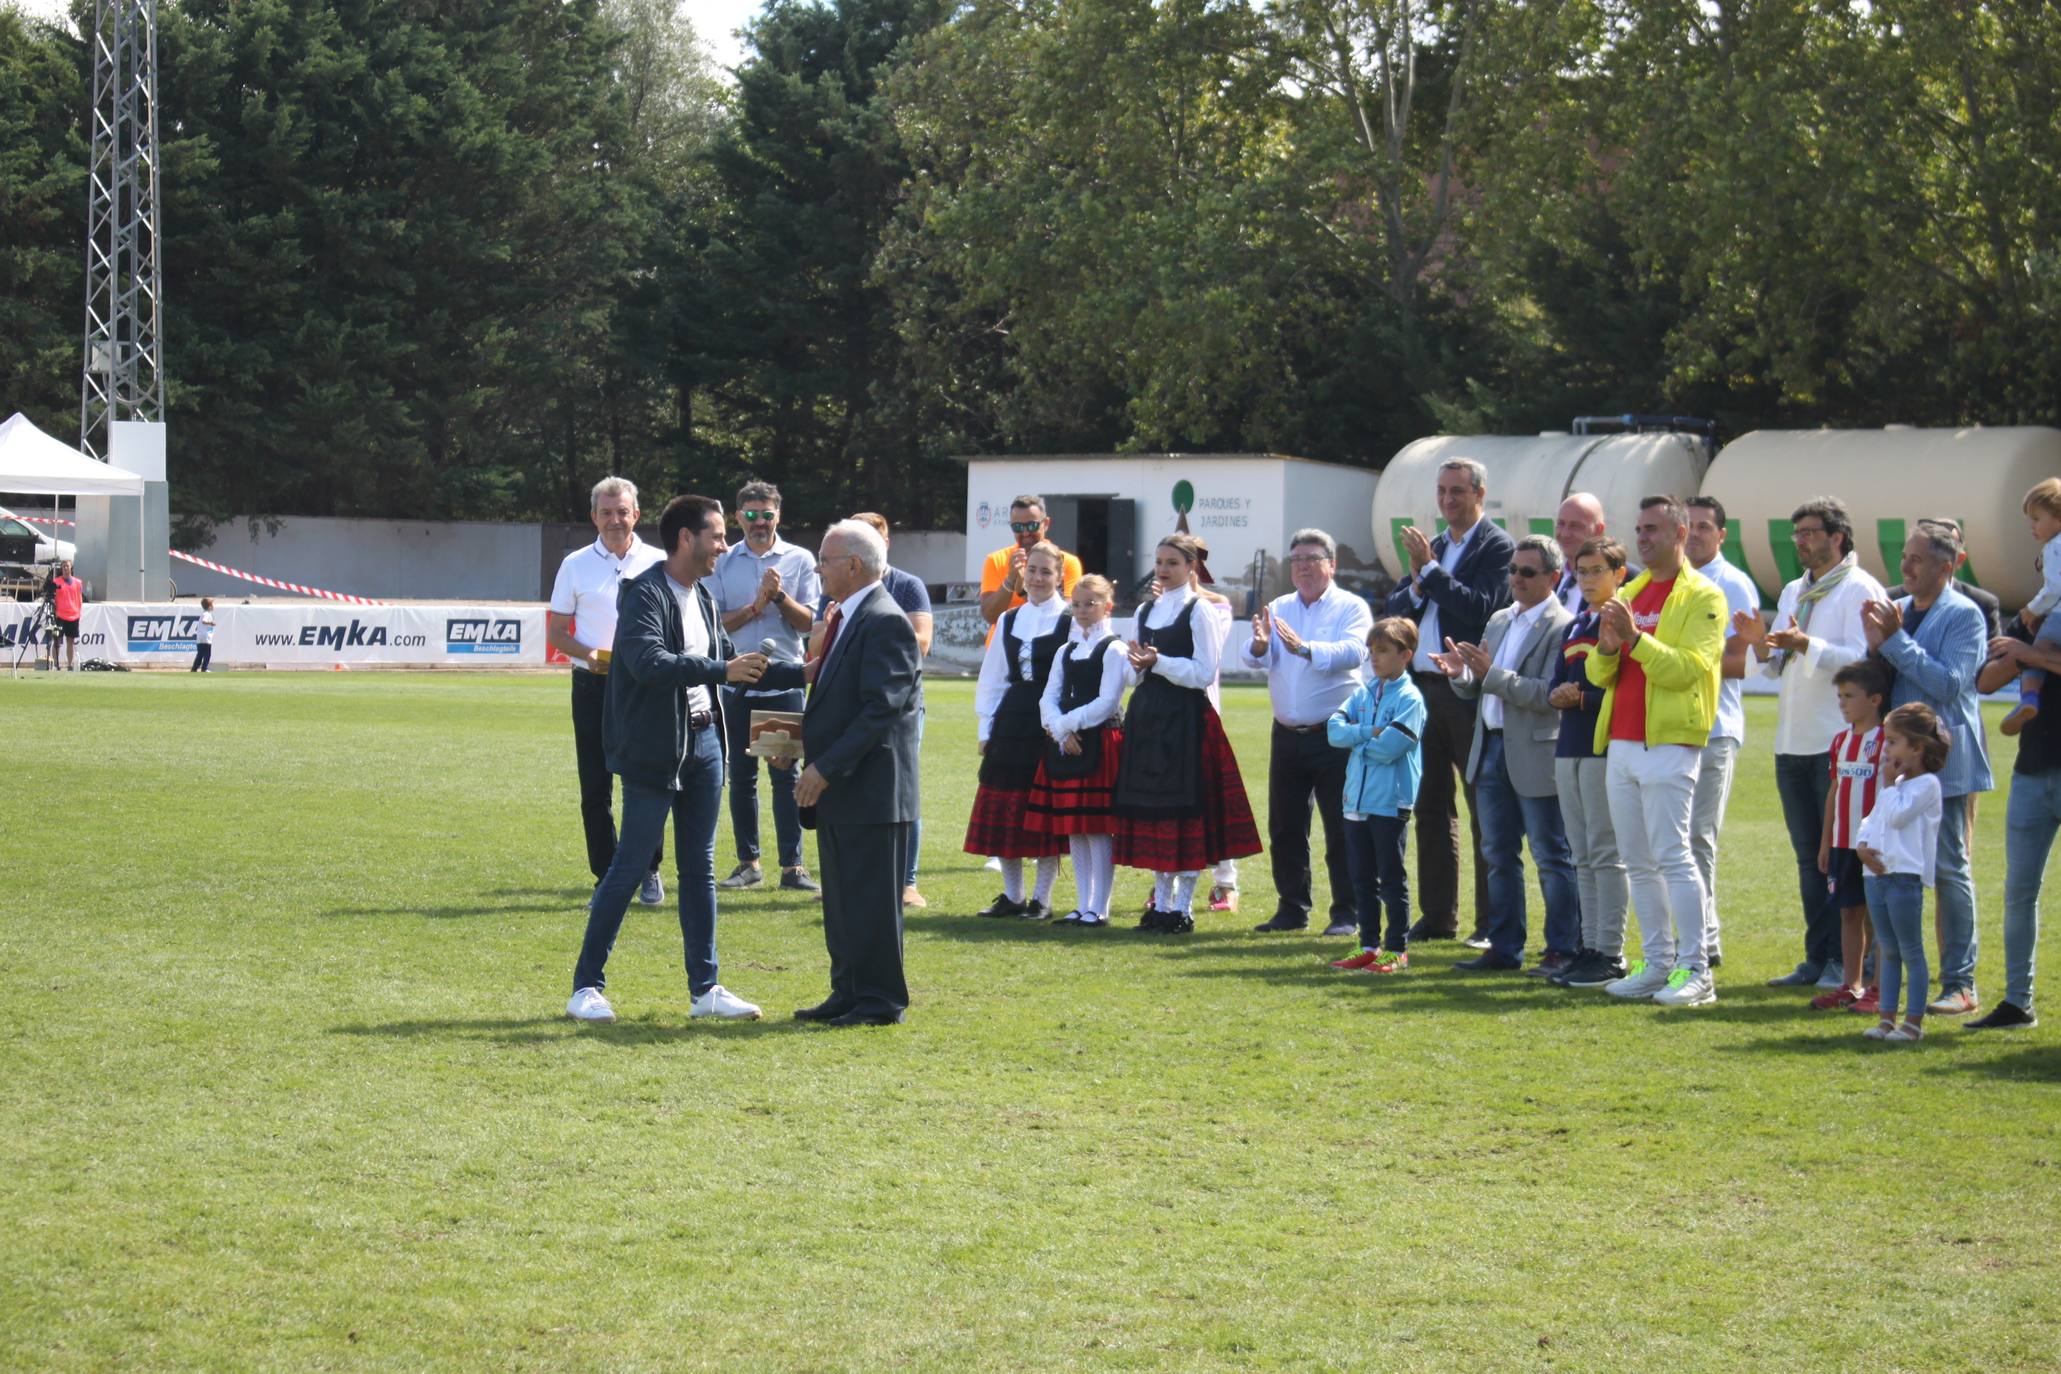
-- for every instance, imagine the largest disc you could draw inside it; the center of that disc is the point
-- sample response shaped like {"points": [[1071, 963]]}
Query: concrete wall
{"points": [[458, 560]]}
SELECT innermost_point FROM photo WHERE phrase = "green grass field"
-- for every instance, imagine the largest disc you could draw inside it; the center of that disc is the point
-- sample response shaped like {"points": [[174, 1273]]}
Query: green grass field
{"points": [[288, 1086]]}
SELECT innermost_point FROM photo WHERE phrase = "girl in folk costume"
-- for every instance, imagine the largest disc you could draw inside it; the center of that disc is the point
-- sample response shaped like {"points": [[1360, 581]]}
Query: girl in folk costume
{"points": [[1083, 718], [1012, 675], [1223, 892], [1180, 802]]}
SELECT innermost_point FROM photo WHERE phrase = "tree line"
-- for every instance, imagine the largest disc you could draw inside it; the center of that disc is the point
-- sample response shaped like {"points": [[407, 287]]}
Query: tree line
{"points": [[459, 258]]}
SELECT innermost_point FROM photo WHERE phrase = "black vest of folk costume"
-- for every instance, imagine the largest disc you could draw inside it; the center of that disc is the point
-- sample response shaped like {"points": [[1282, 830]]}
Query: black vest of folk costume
{"points": [[1080, 682], [1015, 736], [1161, 771]]}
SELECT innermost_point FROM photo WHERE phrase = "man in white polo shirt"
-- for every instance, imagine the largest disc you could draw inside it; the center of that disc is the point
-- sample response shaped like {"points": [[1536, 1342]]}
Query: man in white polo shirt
{"points": [[581, 625], [1312, 645], [1704, 549]]}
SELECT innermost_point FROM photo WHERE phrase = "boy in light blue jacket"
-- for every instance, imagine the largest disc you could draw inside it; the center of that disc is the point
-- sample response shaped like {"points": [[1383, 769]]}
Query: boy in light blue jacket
{"points": [[1382, 724]]}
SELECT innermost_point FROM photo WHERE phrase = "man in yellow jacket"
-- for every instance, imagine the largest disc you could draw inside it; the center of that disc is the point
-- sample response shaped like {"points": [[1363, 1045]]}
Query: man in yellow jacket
{"points": [[1657, 659]]}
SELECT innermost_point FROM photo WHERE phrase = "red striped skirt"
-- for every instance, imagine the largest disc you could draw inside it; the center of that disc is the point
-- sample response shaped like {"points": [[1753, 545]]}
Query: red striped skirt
{"points": [[1224, 830], [999, 827], [1077, 806]]}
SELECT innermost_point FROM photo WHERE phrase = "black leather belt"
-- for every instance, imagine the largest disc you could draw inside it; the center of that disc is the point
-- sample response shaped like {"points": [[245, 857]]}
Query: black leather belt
{"points": [[1298, 729], [700, 720]]}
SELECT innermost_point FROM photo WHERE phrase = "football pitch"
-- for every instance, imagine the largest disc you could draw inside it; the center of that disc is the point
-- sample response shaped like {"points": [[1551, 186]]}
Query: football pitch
{"points": [[288, 1086]]}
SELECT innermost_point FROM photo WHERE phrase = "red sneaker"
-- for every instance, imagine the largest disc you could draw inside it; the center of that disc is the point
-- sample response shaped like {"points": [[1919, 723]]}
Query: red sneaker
{"points": [[1866, 1004], [1356, 962], [1388, 961], [1837, 1000]]}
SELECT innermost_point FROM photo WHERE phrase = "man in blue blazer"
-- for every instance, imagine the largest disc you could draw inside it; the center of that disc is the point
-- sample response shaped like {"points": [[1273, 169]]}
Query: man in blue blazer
{"points": [[860, 788], [662, 734], [1457, 581], [1936, 639]]}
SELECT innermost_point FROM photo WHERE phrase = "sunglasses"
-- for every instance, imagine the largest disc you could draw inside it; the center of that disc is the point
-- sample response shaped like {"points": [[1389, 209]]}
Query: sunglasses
{"points": [[753, 517], [1026, 526], [1527, 573]]}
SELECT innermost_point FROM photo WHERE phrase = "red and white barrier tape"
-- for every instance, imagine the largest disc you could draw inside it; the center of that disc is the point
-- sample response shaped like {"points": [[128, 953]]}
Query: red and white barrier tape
{"points": [[227, 571]]}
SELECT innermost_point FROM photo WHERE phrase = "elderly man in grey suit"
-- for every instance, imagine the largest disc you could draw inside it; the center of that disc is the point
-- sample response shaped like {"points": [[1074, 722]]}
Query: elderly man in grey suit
{"points": [[1511, 762], [859, 790]]}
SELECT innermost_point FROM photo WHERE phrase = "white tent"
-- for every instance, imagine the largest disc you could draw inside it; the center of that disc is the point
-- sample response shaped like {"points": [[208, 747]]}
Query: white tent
{"points": [[33, 462]]}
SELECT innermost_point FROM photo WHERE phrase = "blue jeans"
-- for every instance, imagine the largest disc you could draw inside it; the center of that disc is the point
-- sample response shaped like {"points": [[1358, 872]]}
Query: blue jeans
{"points": [[1896, 905], [2030, 822], [1954, 899], [694, 809], [1508, 821], [1381, 883], [916, 826], [744, 780], [1804, 781]]}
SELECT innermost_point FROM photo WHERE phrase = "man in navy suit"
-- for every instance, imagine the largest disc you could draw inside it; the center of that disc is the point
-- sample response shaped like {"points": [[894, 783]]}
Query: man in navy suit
{"points": [[1457, 581], [859, 789]]}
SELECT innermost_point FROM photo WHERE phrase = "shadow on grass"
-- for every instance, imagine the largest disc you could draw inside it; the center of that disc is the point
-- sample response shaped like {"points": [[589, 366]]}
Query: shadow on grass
{"points": [[570, 903], [529, 1030], [992, 929], [2027, 1064]]}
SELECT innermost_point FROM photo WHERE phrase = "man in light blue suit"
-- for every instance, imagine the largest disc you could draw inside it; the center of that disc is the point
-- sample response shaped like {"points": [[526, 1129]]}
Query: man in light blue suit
{"points": [[1936, 639]]}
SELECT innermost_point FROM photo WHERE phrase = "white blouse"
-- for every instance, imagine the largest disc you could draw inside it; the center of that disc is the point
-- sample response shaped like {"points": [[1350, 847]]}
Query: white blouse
{"points": [[1116, 676], [1210, 631], [1034, 619], [1903, 826]]}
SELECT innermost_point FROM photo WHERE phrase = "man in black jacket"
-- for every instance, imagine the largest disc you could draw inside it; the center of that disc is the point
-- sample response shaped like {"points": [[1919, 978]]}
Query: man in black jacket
{"points": [[1457, 581], [662, 734], [860, 788]]}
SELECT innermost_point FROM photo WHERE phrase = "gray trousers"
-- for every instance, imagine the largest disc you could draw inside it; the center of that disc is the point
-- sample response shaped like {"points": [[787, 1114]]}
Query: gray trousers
{"points": [[1598, 868], [1713, 786]]}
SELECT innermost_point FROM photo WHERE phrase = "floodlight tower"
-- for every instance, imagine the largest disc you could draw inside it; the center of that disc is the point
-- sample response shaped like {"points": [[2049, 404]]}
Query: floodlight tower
{"points": [[122, 399]]}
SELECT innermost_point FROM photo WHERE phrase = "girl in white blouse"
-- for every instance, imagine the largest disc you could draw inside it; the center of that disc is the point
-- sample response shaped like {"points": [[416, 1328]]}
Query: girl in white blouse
{"points": [[1898, 844], [1012, 676], [1082, 714], [1180, 801]]}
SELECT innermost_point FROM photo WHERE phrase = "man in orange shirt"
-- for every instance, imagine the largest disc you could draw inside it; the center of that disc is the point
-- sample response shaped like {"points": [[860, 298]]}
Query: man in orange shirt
{"points": [[67, 603], [1001, 576]]}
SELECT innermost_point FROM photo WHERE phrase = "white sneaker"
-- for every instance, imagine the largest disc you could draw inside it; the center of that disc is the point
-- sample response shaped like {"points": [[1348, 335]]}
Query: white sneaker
{"points": [[1642, 981], [589, 1005], [1833, 978], [723, 1004], [1686, 989]]}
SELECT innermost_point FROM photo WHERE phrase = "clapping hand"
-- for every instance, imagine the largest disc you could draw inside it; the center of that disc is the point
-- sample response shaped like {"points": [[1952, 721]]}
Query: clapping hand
{"points": [[1450, 662], [1290, 640], [1472, 657], [1615, 627], [1789, 641], [1417, 547], [1881, 619], [769, 587], [1142, 657], [1018, 561], [1262, 623], [1750, 627], [1566, 697]]}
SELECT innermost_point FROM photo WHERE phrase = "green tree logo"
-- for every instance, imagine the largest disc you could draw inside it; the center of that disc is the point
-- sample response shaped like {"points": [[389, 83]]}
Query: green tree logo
{"points": [[1184, 501]]}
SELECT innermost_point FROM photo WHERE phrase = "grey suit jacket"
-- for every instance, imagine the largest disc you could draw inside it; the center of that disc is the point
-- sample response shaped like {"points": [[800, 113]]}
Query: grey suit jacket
{"points": [[1531, 728], [859, 729]]}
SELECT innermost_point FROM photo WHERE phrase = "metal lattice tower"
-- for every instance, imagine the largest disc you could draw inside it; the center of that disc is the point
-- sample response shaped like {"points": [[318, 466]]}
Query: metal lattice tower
{"points": [[123, 377]]}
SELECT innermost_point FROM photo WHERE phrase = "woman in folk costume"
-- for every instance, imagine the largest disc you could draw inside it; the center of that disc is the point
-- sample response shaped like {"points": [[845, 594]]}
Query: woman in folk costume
{"points": [[1180, 802], [1223, 892], [1082, 712], [1012, 740]]}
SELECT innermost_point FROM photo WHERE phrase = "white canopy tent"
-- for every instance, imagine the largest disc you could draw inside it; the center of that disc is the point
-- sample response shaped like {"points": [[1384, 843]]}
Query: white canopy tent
{"points": [[31, 462]]}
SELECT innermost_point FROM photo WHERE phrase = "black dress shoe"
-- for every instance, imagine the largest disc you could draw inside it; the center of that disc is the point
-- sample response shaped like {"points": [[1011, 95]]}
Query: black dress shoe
{"points": [[1035, 910], [823, 1011], [1491, 962], [866, 1018], [1282, 921], [1152, 918], [1423, 931], [1002, 906]]}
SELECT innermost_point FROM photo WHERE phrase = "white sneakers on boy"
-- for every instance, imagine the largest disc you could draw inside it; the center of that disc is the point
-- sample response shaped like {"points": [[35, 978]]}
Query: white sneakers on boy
{"points": [[723, 1004], [1686, 989], [589, 1005], [1641, 982]]}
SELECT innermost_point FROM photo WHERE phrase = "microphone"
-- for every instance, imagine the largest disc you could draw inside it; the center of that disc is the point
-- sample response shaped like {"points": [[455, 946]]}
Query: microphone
{"points": [[770, 647]]}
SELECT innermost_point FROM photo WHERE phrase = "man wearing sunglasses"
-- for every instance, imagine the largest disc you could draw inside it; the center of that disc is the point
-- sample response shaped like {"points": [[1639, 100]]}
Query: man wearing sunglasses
{"points": [[1001, 577], [766, 589]]}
